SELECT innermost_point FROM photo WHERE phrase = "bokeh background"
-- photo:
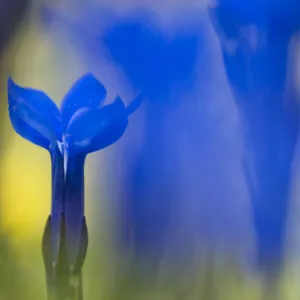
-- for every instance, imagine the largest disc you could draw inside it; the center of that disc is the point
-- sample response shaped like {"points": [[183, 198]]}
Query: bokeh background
{"points": [[169, 212]]}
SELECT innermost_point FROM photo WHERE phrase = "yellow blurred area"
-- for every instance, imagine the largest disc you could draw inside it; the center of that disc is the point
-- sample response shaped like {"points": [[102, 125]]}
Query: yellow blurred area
{"points": [[25, 189]]}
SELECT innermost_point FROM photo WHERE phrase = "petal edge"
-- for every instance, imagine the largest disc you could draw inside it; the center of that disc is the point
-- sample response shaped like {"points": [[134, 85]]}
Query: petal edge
{"points": [[87, 91], [33, 115]]}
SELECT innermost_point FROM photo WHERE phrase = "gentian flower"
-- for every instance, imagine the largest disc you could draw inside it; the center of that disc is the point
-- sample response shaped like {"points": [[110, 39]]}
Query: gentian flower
{"points": [[152, 64], [169, 178], [82, 125], [255, 37]]}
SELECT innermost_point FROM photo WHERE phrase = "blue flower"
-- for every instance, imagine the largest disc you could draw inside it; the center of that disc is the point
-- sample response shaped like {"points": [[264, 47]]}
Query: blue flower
{"points": [[257, 10], [152, 62], [155, 65], [81, 126], [256, 66]]}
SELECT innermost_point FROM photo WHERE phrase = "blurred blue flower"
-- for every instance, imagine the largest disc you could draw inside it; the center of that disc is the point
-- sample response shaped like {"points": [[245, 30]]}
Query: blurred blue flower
{"points": [[81, 126], [255, 37], [249, 11], [156, 66], [169, 196], [152, 62], [153, 59]]}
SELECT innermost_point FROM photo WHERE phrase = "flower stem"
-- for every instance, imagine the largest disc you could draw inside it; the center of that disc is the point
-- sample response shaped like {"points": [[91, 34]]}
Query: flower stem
{"points": [[63, 283], [74, 206], [65, 237], [57, 203]]}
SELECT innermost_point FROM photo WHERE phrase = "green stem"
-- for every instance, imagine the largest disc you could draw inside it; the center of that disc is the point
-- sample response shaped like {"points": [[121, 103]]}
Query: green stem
{"points": [[62, 282]]}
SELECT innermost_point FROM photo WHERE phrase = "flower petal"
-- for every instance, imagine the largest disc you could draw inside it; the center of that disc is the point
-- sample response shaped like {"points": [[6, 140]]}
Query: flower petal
{"points": [[94, 129], [86, 92], [135, 104], [33, 115]]}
